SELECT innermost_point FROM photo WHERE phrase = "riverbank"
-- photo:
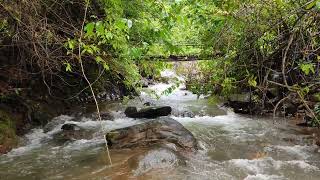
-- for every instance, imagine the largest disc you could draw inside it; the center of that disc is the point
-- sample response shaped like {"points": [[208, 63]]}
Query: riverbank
{"points": [[231, 146], [20, 112]]}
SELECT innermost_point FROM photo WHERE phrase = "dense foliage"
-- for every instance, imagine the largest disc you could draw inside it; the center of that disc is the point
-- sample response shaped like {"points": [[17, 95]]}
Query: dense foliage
{"points": [[268, 47], [253, 37], [43, 38]]}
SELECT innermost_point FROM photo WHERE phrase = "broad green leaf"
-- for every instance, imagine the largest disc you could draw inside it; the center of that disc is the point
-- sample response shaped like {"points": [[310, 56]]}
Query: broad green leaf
{"points": [[311, 5], [100, 28], [121, 24], [89, 29], [252, 81], [135, 53], [307, 68], [318, 5]]}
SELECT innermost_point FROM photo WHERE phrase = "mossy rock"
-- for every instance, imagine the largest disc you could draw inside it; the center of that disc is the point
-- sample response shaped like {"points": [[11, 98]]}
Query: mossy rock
{"points": [[8, 137]]}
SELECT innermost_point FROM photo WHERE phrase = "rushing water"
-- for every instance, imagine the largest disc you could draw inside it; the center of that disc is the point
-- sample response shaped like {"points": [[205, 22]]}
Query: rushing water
{"points": [[232, 147]]}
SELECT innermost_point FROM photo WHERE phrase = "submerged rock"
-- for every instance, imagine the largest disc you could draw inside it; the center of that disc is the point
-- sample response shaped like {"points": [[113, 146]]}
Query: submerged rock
{"points": [[189, 114], [243, 107], [157, 131], [150, 112], [57, 121], [70, 127], [144, 83], [130, 110], [73, 132], [158, 158], [106, 116]]}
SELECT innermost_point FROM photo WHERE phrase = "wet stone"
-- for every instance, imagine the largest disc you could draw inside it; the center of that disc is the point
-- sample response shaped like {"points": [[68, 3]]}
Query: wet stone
{"points": [[158, 131], [150, 112], [56, 122], [71, 132], [154, 159]]}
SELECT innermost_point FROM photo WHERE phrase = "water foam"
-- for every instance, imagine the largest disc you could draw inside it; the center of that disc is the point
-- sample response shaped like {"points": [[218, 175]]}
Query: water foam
{"points": [[269, 165], [298, 151], [33, 140], [264, 177]]}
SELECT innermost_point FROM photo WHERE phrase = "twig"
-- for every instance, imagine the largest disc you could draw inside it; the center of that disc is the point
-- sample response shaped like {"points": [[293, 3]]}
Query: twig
{"points": [[286, 83], [90, 85], [284, 61], [308, 108], [276, 107]]}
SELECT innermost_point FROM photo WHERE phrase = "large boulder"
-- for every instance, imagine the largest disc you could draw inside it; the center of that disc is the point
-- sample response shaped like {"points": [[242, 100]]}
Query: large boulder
{"points": [[150, 112], [157, 131]]}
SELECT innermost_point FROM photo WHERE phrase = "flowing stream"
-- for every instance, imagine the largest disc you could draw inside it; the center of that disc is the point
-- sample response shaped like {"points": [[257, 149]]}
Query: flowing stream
{"points": [[232, 147]]}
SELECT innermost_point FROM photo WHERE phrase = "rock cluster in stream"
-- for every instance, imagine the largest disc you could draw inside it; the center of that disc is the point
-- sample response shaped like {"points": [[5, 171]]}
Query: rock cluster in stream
{"points": [[162, 130], [154, 130]]}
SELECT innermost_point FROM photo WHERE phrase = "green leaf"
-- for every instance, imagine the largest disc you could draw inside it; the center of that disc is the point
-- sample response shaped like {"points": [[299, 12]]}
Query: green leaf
{"points": [[318, 5], [105, 66], [99, 59], [121, 24], [68, 67], [311, 5], [89, 50], [252, 81], [135, 53], [109, 35], [89, 29], [315, 3], [306, 90], [306, 68], [94, 48], [100, 28], [71, 44]]}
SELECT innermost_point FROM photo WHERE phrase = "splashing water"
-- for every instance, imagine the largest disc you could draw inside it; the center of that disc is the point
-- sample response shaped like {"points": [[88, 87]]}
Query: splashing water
{"points": [[232, 147]]}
